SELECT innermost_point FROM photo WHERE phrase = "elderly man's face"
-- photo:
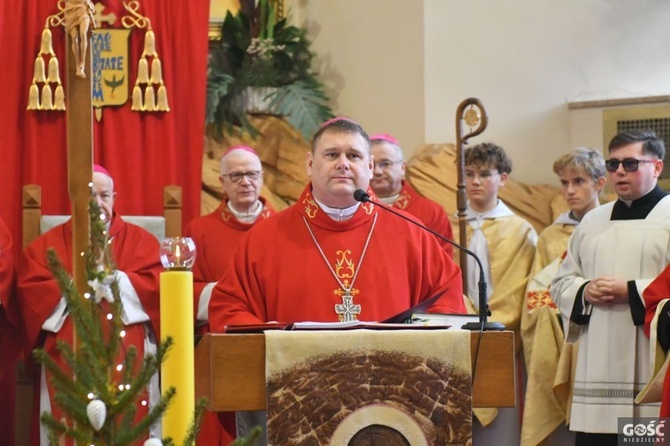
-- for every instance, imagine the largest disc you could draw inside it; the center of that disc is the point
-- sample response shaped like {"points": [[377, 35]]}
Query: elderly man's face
{"points": [[340, 164], [242, 190], [389, 169], [103, 192]]}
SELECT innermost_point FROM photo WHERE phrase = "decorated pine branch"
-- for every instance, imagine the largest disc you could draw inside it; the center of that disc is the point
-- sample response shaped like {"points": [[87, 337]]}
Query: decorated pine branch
{"points": [[100, 383]]}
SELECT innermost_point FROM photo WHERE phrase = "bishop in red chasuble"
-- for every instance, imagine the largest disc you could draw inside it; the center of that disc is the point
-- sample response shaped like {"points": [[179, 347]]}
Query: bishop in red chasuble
{"points": [[330, 258], [136, 255]]}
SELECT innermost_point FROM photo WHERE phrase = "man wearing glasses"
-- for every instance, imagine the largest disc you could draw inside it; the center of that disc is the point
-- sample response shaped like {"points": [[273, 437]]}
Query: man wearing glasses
{"points": [[613, 255], [390, 186], [505, 244], [330, 258], [216, 236]]}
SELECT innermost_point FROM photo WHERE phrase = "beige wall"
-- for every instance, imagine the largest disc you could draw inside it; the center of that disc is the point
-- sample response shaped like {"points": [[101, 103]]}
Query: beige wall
{"points": [[403, 66], [369, 54]]}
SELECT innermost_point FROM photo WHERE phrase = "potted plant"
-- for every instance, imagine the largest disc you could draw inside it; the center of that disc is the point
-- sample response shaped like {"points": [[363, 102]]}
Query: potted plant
{"points": [[263, 65]]}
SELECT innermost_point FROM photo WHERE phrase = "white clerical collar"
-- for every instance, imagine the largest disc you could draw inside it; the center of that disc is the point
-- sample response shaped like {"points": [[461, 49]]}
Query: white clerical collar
{"points": [[338, 214], [389, 200], [499, 210], [247, 217]]}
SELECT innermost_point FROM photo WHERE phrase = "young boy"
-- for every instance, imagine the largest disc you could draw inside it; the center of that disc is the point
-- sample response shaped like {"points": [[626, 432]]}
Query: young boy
{"points": [[582, 176], [505, 244]]}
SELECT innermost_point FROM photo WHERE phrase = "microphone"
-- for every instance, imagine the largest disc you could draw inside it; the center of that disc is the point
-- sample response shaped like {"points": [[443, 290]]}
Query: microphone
{"points": [[484, 312]]}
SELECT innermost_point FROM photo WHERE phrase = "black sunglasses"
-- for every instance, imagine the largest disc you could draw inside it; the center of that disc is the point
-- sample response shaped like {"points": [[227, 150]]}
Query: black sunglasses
{"points": [[629, 164]]}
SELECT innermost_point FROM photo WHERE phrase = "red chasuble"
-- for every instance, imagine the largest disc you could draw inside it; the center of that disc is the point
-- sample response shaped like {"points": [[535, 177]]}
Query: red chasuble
{"points": [[653, 295], [430, 213], [279, 273], [216, 236], [135, 253]]}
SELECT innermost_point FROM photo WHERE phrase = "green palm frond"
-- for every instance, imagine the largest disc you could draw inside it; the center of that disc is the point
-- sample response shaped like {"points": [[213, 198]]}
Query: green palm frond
{"points": [[304, 105], [260, 51]]}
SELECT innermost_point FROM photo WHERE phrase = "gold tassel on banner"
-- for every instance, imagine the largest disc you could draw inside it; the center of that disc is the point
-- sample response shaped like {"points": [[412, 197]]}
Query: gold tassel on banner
{"points": [[143, 71], [149, 99], [156, 71], [46, 46], [149, 44], [47, 104], [162, 102], [59, 98], [34, 97], [38, 71], [137, 99], [53, 76]]}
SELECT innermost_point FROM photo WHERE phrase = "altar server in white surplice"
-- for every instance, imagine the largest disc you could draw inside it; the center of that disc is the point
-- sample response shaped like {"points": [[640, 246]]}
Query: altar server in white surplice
{"points": [[613, 255]]}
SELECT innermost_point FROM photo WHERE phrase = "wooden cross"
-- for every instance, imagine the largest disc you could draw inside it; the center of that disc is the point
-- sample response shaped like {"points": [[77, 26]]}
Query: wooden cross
{"points": [[79, 119]]}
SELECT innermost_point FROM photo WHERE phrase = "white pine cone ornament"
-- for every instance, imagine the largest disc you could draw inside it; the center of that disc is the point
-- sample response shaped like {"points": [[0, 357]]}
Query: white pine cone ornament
{"points": [[153, 442], [96, 412]]}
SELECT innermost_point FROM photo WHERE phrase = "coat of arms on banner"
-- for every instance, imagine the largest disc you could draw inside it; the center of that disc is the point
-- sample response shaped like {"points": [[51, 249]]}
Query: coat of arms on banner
{"points": [[110, 79], [109, 67]]}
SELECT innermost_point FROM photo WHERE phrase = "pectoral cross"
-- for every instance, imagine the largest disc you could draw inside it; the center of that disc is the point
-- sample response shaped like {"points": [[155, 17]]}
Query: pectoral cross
{"points": [[347, 310]]}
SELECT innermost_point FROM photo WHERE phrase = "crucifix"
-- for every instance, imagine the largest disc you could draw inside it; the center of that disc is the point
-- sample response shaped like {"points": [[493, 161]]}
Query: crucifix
{"points": [[79, 133], [347, 310]]}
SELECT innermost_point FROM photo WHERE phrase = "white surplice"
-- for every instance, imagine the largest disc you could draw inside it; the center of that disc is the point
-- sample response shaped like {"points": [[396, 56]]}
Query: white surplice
{"points": [[613, 361]]}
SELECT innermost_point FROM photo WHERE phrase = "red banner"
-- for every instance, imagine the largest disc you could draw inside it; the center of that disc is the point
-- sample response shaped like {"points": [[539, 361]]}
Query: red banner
{"points": [[143, 151]]}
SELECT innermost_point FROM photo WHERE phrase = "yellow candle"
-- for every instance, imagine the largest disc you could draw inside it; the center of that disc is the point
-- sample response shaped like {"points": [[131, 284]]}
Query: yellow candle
{"points": [[178, 370]]}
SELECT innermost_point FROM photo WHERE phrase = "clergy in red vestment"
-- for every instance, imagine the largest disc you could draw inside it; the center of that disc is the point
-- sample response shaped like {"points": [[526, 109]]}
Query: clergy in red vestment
{"points": [[329, 257], [9, 336], [216, 236], [657, 319], [136, 256], [390, 186]]}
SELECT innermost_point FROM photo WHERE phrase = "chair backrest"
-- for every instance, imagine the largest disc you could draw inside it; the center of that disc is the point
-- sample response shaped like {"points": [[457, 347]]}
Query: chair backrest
{"points": [[155, 225], [167, 225]]}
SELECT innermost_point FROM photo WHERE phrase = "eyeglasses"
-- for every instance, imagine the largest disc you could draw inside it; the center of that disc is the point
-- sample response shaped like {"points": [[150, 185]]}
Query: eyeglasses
{"points": [[383, 165], [236, 177], [484, 175], [629, 164]]}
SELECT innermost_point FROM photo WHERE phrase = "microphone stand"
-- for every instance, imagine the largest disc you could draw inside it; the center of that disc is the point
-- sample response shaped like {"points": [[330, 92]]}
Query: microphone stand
{"points": [[484, 311]]}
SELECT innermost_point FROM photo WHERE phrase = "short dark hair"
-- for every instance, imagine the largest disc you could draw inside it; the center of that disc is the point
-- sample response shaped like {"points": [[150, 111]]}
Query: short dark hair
{"points": [[488, 154], [340, 125], [651, 144]]}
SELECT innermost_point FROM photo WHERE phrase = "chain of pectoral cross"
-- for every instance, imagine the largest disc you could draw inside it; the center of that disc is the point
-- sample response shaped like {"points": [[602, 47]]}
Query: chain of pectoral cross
{"points": [[347, 310]]}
